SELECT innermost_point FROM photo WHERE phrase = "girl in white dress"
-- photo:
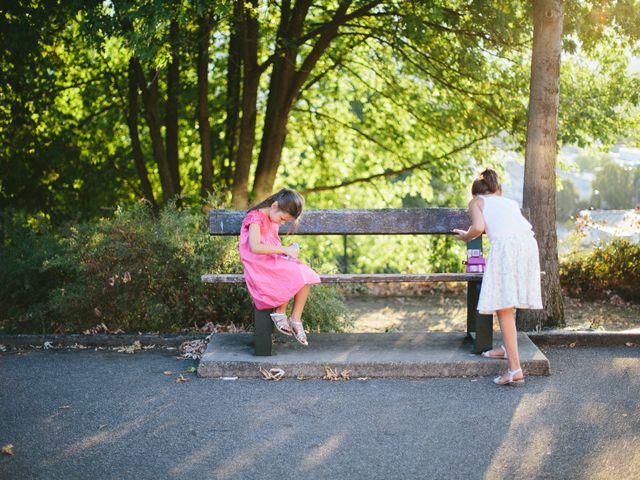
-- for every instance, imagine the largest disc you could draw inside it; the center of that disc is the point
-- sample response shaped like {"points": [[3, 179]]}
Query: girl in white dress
{"points": [[512, 274]]}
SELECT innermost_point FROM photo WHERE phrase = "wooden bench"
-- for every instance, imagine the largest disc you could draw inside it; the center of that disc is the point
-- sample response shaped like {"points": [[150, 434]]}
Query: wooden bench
{"points": [[414, 221]]}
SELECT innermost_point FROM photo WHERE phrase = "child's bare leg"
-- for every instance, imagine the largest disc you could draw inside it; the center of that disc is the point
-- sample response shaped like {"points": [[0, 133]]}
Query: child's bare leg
{"points": [[282, 308], [295, 321], [299, 300], [510, 339]]}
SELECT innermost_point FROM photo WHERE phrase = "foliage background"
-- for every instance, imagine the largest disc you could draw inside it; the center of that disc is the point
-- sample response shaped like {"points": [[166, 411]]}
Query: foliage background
{"points": [[405, 105]]}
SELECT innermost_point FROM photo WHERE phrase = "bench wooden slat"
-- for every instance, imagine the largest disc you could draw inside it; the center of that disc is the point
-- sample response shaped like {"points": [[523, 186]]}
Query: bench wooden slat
{"points": [[364, 278], [410, 221]]}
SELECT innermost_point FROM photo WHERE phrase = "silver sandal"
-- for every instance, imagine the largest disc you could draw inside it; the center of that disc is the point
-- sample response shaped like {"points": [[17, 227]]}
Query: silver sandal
{"points": [[508, 378], [502, 356], [281, 321], [298, 331]]}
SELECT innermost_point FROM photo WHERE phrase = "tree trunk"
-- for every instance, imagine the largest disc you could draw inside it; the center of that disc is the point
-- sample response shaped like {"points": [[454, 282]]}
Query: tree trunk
{"points": [[204, 128], [279, 101], [152, 114], [285, 87], [540, 158], [250, 82], [171, 121], [234, 79], [132, 122]]}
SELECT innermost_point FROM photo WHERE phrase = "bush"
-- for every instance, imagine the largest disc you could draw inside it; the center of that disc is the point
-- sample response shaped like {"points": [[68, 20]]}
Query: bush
{"points": [[24, 284], [612, 268], [135, 271]]}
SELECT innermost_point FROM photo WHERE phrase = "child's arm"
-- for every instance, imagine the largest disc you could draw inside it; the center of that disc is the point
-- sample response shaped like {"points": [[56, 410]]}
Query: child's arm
{"points": [[257, 247], [477, 222]]}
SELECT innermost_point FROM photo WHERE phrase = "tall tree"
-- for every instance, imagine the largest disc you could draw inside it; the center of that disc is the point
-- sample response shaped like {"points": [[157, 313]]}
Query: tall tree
{"points": [[289, 76], [171, 118], [539, 194], [204, 127], [251, 72]]}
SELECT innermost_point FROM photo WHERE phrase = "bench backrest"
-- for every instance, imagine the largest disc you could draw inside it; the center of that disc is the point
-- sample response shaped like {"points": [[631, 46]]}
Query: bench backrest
{"points": [[356, 221]]}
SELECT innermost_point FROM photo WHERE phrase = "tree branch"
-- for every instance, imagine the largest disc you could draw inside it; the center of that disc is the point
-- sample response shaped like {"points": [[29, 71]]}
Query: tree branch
{"points": [[390, 173]]}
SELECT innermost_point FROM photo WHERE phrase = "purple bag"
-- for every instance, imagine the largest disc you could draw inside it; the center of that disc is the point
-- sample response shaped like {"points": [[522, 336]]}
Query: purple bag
{"points": [[475, 261]]}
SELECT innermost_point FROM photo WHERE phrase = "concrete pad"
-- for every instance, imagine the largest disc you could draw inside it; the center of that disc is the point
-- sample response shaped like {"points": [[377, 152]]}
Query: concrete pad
{"points": [[396, 355]]}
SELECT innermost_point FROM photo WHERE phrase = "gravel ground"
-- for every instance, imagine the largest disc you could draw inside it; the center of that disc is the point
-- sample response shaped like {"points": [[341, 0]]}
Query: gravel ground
{"points": [[107, 415]]}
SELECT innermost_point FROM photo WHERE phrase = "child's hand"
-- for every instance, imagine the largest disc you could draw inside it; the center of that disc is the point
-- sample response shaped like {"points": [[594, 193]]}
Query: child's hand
{"points": [[459, 234], [293, 250]]}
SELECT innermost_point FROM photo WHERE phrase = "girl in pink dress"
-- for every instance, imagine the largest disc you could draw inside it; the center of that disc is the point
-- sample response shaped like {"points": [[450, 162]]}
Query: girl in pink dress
{"points": [[273, 273]]}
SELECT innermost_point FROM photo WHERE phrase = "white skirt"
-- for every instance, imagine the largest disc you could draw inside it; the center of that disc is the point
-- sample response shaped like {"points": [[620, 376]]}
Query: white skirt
{"points": [[512, 276]]}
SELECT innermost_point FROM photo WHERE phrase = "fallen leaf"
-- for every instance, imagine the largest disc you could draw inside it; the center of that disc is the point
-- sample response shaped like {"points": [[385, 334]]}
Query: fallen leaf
{"points": [[126, 278], [181, 379], [335, 375], [168, 372], [272, 373], [130, 348], [48, 345], [192, 369], [193, 349], [572, 345], [301, 377], [629, 344], [330, 374], [7, 449]]}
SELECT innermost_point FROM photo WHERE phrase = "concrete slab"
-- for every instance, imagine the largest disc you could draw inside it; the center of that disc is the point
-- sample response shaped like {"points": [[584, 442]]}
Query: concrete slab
{"points": [[396, 355]]}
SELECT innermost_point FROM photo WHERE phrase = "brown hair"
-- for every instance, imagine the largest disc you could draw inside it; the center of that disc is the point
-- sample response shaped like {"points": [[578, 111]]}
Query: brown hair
{"points": [[487, 182], [289, 201]]}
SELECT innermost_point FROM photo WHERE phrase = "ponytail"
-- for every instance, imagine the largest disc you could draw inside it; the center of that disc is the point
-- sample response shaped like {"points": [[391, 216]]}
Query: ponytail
{"points": [[487, 182]]}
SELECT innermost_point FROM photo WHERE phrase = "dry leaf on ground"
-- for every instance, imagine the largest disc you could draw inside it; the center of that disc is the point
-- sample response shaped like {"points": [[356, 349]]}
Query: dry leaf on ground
{"points": [[181, 379], [168, 373], [335, 375], [130, 348], [7, 449], [194, 349], [272, 373]]}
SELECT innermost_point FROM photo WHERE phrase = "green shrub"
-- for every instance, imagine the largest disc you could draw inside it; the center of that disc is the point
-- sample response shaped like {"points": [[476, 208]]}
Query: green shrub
{"points": [[612, 268], [325, 310], [135, 271], [24, 284]]}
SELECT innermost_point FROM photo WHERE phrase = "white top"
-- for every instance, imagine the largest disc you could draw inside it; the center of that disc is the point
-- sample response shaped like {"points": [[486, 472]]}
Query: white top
{"points": [[503, 218]]}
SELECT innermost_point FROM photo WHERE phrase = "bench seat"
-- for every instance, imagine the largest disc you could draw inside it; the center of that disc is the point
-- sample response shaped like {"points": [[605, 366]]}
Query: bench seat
{"points": [[365, 277]]}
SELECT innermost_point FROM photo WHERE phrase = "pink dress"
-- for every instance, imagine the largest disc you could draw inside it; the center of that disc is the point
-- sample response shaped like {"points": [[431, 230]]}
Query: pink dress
{"points": [[272, 279]]}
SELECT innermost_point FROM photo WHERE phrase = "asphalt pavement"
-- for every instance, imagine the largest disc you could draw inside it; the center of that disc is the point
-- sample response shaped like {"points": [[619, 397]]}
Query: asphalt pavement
{"points": [[107, 415]]}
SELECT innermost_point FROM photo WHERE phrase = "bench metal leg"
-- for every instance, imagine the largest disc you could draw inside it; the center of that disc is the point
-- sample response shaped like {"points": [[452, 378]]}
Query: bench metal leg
{"points": [[262, 335], [482, 325]]}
